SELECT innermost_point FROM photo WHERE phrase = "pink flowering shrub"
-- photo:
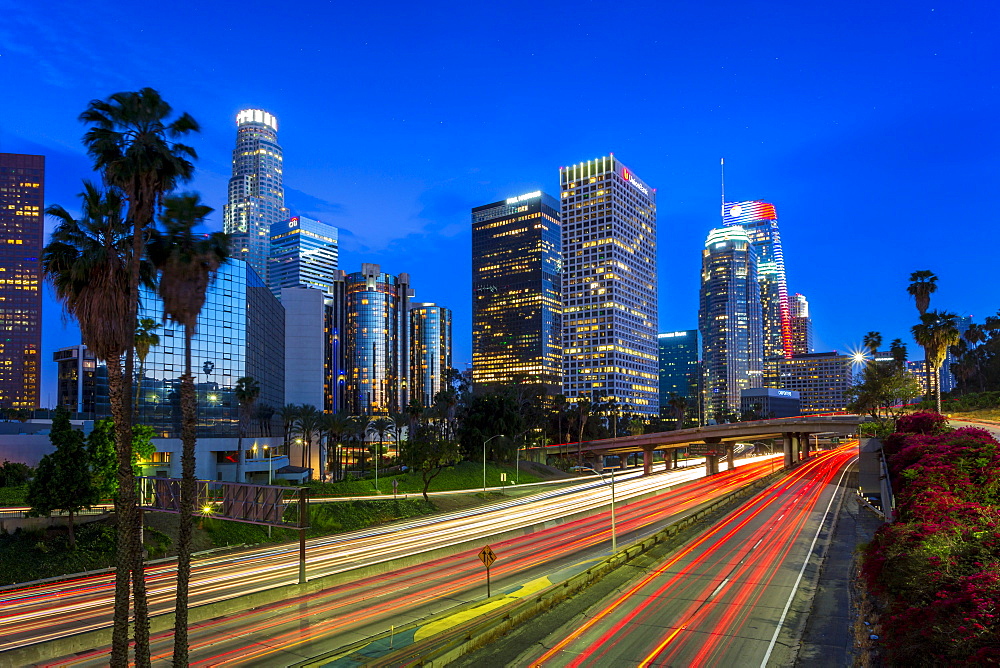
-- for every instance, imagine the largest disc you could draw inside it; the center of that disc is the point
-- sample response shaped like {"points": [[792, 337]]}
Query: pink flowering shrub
{"points": [[939, 564]]}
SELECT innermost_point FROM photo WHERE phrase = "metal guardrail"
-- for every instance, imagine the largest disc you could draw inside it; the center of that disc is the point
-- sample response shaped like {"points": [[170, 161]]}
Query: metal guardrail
{"points": [[22, 512]]}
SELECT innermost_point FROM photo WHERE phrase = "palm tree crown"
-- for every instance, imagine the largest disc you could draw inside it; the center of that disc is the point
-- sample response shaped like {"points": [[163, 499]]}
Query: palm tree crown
{"points": [[922, 285]]}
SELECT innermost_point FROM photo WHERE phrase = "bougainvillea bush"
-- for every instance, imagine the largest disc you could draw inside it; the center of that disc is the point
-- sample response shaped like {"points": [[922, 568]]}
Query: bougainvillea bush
{"points": [[938, 565]]}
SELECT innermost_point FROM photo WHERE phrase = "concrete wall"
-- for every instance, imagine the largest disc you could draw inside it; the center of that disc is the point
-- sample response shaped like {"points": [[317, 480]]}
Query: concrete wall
{"points": [[304, 346]]}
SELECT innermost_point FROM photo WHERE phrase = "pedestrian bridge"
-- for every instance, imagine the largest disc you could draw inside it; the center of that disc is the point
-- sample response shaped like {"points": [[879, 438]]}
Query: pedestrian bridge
{"points": [[713, 441]]}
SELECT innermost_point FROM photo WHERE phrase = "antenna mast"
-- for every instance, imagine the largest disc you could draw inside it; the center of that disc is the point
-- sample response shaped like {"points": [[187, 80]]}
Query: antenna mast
{"points": [[722, 174]]}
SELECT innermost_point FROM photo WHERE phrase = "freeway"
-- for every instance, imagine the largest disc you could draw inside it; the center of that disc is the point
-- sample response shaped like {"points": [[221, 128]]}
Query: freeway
{"points": [[35, 614], [723, 600]]}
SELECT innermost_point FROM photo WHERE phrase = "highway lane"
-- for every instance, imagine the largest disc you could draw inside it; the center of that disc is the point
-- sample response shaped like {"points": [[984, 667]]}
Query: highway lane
{"points": [[310, 625], [724, 599], [34, 614]]}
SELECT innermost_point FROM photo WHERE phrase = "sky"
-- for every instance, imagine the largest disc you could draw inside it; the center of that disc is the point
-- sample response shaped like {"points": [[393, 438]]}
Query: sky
{"points": [[872, 126]]}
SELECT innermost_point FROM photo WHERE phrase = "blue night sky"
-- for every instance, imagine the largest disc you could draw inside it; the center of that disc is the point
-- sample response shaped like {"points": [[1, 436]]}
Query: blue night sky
{"points": [[871, 126]]}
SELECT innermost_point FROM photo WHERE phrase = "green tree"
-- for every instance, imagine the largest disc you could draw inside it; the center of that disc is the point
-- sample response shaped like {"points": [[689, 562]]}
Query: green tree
{"points": [[678, 405], [335, 426], [379, 427], [882, 391], [872, 342], [187, 263], [307, 423], [922, 285], [63, 480], [425, 451], [247, 392], [936, 332], [145, 339], [898, 351], [14, 474]]}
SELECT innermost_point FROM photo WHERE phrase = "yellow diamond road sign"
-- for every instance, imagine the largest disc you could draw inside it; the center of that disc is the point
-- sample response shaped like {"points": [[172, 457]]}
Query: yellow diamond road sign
{"points": [[487, 557]]}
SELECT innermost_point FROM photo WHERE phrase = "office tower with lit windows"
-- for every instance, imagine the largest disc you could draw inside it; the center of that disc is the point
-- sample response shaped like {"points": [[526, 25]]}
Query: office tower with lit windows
{"points": [[760, 220], [821, 379], [377, 341], [22, 228], [609, 285], [516, 301], [256, 199], [679, 368], [801, 323], [430, 350], [729, 319], [303, 252], [76, 379]]}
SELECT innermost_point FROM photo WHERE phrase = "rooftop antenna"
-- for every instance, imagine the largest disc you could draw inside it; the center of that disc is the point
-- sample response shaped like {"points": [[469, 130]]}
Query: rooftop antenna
{"points": [[722, 170]]}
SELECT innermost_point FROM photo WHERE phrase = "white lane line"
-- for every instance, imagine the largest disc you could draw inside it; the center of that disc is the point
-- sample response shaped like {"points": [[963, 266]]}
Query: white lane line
{"points": [[805, 563], [718, 589]]}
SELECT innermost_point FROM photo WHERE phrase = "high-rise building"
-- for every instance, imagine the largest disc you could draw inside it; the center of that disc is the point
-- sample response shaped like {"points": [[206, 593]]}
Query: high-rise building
{"points": [[303, 252], [76, 379], [802, 327], [821, 379], [377, 350], [729, 320], [430, 350], [256, 195], [22, 226], [679, 368], [516, 301], [760, 220], [609, 285]]}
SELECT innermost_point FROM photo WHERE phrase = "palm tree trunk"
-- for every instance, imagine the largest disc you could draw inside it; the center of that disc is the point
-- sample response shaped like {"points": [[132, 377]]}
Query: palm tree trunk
{"points": [[189, 409], [125, 512]]}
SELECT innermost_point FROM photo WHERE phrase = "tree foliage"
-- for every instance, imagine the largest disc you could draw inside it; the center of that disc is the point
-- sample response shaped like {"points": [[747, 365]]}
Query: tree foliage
{"points": [[427, 452]]}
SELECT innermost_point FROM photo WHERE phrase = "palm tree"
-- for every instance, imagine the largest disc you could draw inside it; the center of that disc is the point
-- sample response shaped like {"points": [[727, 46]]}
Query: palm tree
{"points": [[357, 431], [872, 342], [974, 335], [288, 413], [936, 332], [379, 427], [679, 405], [306, 425], [264, 414], [922, 285], [898, 351], [247, 392], [400, 421], [88, 262], [335, 425], [145, 338], [583, 407], [559, 406], [187, 263], [130, 142]]}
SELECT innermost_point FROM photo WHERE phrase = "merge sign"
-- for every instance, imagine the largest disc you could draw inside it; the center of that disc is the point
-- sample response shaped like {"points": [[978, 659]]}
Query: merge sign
{"points": [[487, 556]]}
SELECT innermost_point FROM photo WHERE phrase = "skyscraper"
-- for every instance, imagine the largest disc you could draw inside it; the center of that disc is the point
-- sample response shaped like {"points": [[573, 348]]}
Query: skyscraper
{"points": [[377, 351], [430, 350], [609, 285], [802, 328], [256, 196], [678, 360], [303, 252], [729, 320], [22, 226], [760, 220], [516, 302]]}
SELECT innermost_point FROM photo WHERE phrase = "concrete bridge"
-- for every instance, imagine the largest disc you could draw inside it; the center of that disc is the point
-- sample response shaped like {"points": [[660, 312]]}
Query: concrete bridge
{"points": [[712, 441]]}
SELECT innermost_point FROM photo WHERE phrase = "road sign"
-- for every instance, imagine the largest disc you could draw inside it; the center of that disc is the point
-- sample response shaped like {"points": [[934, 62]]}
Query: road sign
{"points": [[704, 450], [487, 556]]}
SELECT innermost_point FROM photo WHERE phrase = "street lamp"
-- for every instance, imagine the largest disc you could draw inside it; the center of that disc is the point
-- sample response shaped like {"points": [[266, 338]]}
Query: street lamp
{"points": [[268, 455], [484, 458], [614, 528]]}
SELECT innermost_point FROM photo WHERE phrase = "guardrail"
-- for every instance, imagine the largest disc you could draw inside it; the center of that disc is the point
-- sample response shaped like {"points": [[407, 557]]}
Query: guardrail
{"points": [[22, 512]]}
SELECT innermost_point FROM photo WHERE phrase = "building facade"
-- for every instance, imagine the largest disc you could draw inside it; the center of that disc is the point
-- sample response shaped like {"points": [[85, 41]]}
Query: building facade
{"points": [[802, 328], [22, 230], [679, 368], [430, 351], [760, 220], [303, 252], [766, 403], [821, 379], [516, 283], [76, 379], [377, 341], [256, 198], [730, 321], [307, 346], [609, 289]]}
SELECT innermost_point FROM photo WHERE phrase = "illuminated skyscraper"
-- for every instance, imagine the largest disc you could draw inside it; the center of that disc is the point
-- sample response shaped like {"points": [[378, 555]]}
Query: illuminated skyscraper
{"points": [[678, 360], [22, 203], [430, 350], [303, 252], [377, 338], [256, 196], [729, 320], [609, 285], [760, 221], [802, 329], [516, 305]]}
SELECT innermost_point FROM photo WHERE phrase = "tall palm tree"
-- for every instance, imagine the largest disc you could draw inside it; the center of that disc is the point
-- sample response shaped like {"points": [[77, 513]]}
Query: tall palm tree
{"points": [[288, 413], [936, 332], [88, 262], [145, 339], [357, 431], [898, 351], [922, 285], [130, 140], [306, 425], [559, 406], [679, 405], [187, 263], [583, 407], [380, 426], [974, 335], [247, 391], [400, 422], [335, 425], [872, 342]]}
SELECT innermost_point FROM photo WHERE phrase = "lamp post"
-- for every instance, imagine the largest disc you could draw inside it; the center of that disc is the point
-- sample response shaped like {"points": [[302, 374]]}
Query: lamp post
{"points": [[484, 458], [614, 527], [267, 453]]}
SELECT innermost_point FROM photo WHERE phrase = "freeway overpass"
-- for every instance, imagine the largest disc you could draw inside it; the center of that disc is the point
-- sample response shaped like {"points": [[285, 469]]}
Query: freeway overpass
{"points": [[717, 440]]}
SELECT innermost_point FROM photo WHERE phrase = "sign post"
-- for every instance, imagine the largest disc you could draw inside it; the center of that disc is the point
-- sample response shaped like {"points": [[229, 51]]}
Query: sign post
{"points": [[487, 556]]}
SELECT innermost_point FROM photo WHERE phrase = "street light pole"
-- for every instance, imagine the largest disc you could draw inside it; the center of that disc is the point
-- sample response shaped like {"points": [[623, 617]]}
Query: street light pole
{"points": [[484, 458]]}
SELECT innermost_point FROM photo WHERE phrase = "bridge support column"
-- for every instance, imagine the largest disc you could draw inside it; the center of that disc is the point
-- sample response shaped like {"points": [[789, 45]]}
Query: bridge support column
{"points": [[668, 458], [730, 456], [790, 449], [647, 461], [804, 440]]}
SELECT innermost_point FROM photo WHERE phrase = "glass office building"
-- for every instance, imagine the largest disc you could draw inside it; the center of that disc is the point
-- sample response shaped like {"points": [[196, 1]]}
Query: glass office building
{"points": [[430, 350], [516, 301], [609, 287], [22, 227], [303, 253], [678, 359], [76, 379], [729, 320], [240, 332], [377, 341], [802, 328]]}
